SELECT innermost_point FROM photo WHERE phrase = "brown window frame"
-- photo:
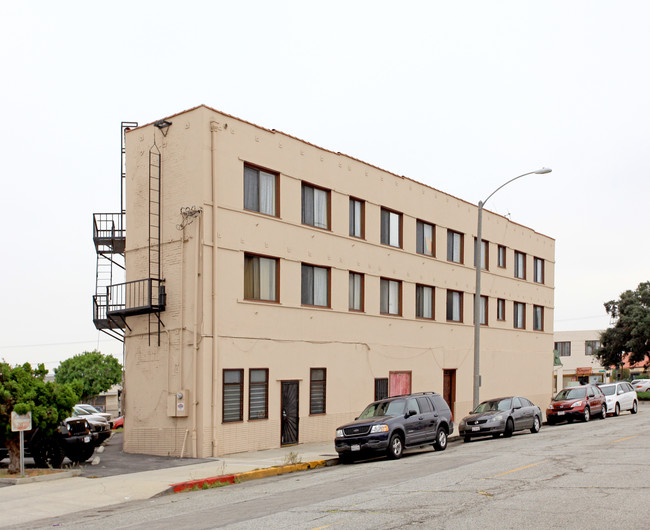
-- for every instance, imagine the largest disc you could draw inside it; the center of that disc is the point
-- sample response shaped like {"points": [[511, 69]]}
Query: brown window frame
{"points": [[461, 260], [418, 243], [241, 395], [433, 301], [462, 305], [248, 255], [502, 251], [329, 286], [363, 291], [515, 313], [487, 305], [400, 231], [302, 205], [536, 279], [541, 324], [251, 385], [363, 218], [312, 381], [501, 305], [559, 347], [400, 295], [277, 189], [516, 271], [487, 254]]}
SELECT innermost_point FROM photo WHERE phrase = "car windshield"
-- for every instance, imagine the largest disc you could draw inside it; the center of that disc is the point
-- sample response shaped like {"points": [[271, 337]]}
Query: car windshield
{"points": [[571, 393], [89, 408], [495, 404], [608, 390], [384, 408]]}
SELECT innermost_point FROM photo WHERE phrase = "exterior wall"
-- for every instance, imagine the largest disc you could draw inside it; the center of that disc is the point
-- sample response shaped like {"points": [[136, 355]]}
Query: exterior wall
{"points": [[209, 326], [579, 363]]}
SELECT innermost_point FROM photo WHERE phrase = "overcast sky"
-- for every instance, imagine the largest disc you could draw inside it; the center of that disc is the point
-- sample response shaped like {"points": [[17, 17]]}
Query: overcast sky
{"points": [[462, 96]]}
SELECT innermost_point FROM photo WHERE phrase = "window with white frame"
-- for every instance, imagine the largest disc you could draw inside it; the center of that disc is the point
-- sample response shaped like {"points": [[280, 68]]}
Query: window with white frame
{"points": [[391, 228], [390, 302], [315, 286], [425, 233], [260, 191], [424, 301], [260, 278], [454, 246], [519, 310], [315, 206], [454, 306], [520, 265], [356, 292]]}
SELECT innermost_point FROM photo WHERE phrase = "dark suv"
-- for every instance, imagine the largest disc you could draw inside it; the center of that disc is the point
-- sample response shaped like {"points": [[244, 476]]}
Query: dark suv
{"points": [[391, 424]]}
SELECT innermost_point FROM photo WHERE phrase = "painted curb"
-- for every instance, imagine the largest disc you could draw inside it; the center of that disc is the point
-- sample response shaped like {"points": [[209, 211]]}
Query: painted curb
{"points": [[249, 475]]}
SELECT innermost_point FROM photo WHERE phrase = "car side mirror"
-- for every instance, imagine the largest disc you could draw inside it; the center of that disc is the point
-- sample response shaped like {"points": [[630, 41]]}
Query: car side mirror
{"points": [[410, 413]]}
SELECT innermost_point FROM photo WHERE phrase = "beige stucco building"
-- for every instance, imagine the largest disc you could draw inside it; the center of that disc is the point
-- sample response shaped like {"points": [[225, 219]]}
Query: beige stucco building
{"points": [[291, 285], [579, 365]]}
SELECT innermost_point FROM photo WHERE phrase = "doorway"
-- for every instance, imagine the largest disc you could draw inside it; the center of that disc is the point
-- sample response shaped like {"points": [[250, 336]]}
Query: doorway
{"points": [[399, 383], [290, 417], [449, 388]]}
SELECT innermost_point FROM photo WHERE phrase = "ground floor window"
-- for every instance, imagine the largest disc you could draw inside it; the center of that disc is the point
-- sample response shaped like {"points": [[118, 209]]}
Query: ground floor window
{"points": [[381, 388], [317, 383], [258, 393], [233, 395]]}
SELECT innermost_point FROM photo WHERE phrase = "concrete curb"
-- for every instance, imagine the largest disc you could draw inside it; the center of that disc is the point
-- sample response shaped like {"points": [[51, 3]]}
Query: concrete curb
{"points": [[42, 478], [247, 475]]}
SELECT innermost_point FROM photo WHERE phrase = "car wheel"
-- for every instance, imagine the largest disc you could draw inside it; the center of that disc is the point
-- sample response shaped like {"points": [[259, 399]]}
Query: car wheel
{"points": [[617, 410], [551, 420], [345, 458], [603, 412], [510, 427], [537, 425], [635, 408], [467, 439], [82, 454], [48, 453], [587, 415], [441, 440], [395, 447]]}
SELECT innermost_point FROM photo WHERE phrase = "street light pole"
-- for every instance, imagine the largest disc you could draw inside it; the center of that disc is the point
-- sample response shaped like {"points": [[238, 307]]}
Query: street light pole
{"points": [[477, 297]]}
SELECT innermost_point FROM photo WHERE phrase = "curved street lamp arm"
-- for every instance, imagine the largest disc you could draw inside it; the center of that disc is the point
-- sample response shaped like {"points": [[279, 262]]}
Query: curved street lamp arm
{"points": [[482, 203]]}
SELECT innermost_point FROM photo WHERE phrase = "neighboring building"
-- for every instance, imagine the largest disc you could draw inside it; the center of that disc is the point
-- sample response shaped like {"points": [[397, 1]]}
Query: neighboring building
{"points": [[579, 365], [276, 288]]}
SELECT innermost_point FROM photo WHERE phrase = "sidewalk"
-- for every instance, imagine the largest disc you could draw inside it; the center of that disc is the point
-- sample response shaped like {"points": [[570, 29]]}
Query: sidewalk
{"points": [[68, 495]]}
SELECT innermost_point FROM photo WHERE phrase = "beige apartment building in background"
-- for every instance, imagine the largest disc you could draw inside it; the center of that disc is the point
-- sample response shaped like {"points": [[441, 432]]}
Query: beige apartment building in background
{"points": [[579, 365], [275, 288]]}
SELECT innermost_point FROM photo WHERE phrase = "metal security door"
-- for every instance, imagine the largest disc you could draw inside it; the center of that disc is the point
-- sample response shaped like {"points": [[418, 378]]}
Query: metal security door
{"points": [[289, 407]]}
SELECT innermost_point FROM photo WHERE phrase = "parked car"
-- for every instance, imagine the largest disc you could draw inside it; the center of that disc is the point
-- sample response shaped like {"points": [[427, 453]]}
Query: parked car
{"points": [[641, 385], [501, 416], [620, 396], [92, 410], [73, 438], [119, 422], [393, 424], [578, 402], [100, 427]]}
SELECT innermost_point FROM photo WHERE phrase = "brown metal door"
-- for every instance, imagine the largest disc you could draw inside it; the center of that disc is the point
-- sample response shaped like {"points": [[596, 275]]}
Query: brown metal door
{"points": [[289, 408], [449, 388]]}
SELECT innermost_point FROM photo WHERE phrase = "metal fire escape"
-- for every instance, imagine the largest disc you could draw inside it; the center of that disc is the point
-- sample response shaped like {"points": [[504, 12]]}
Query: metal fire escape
{"points": [[114, 302]]}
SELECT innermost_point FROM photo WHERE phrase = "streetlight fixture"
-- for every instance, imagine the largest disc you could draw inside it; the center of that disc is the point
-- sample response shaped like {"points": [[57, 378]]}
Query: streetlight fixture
{"points": [[477, 297]]}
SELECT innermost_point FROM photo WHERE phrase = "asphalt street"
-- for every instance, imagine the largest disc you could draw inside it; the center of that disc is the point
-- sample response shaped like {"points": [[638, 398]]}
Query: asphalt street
{"points": [[583, 475]]}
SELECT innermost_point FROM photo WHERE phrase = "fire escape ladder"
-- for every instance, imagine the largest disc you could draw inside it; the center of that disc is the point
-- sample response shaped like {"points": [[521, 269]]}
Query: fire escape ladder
{"points": [[155, 238]]}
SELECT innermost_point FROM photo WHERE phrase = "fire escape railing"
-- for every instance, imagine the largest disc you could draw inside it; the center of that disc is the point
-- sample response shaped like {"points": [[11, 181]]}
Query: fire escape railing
{"points": [[138, 297], [109, 232]]}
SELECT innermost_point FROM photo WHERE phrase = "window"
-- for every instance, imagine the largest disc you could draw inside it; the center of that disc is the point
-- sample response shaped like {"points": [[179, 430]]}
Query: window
{"points": [[315, 286], [539, 270], [424, 301], [381, 388], [425, 234], [317, 382], [454, 306], [260, 191], [520, 265], [501, 309], [391, 228], [233, 395], [563, 348], [260, 278], [315, 207], [356, 292], [591, 346], [483, 310], [454, 246], [520, 315], [258, 393], [390, 302], [538, 318], [485, 254], [357, 226], [501, 256]]}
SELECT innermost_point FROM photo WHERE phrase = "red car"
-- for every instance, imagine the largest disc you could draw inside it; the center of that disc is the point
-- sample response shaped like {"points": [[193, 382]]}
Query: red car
{"points": [[578, 402], [119, 422]]}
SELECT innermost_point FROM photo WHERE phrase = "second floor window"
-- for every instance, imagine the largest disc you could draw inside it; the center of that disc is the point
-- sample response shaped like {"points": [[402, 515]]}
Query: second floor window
{"points": [[391, 228], [356, 218], [454, 246], [454, 306], [260, 191], [501, 309], [519, 315], [501, 256], [424, 301], [538, 318], [260, 278], [485, 259], [483, 310], [563, 348], [390, 297], [356, 292], [315, 286], [315, 207], [520, 265], [539, 270], [591, 346], [425, 238]]}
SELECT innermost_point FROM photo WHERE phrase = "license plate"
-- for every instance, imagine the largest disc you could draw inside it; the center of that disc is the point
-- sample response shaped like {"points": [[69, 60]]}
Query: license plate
{"points": [[560, 413], [355, 447], [86, 439], [476, 429]]}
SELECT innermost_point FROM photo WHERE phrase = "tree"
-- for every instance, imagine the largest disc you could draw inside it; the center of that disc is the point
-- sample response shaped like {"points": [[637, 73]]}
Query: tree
{"points": [[91, 372], [631, 332], [24, 389]]}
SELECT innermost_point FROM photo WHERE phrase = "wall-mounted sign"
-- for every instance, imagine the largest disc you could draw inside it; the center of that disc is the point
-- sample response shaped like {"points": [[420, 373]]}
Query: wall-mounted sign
{"points": [[583, 371]]}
